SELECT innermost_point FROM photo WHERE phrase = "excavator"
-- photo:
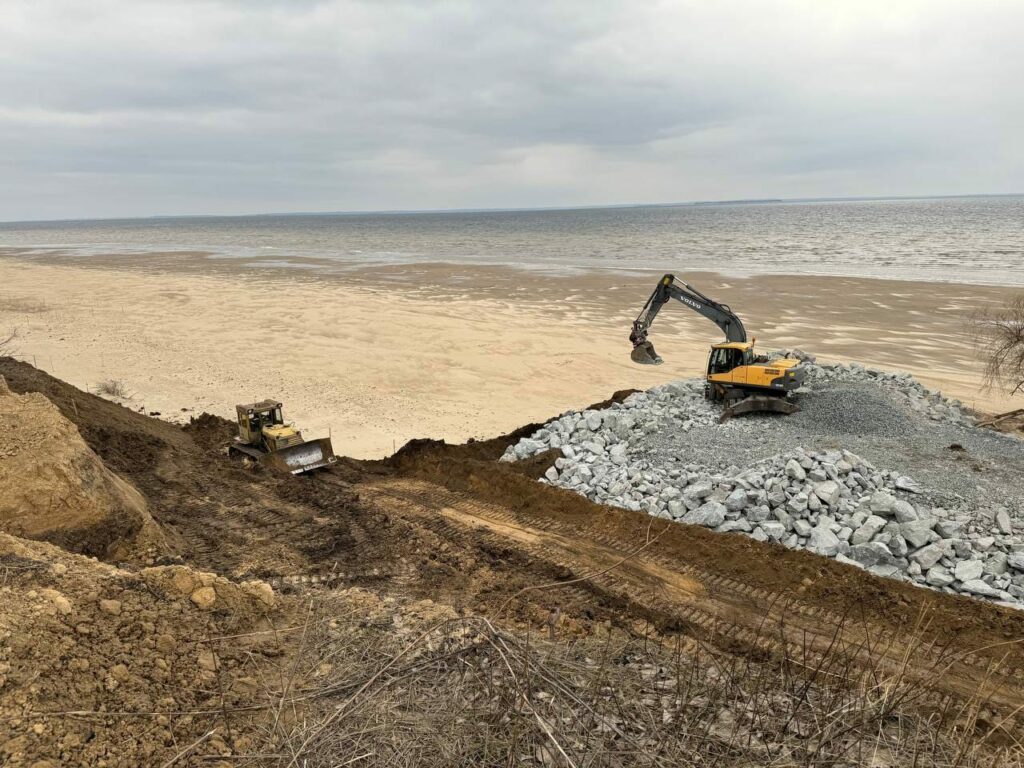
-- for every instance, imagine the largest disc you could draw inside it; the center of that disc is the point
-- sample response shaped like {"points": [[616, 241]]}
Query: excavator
{"points": [[742, 381], [264, 437]]}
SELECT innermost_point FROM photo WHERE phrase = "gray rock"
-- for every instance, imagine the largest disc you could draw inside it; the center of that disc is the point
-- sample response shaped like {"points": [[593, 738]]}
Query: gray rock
{"points": [[1003, 522], [735, 525], [882, 503], [871, 554], [938, 576], [711, 514], [551, 474], [947, 529], [904, 483], [996, 564], [617, 454], [736, 500], [898, 546], [904, 511], [979, 587], [886, 571], [797, 504], [868, 530], [758, 513], [802, 528], [759, 535], [794, 470], [774, 529], [917, 532], [1016, 561], [699, 490], [828, 492], [823, 541], [927, 556], [527, 447], [968, 570]]}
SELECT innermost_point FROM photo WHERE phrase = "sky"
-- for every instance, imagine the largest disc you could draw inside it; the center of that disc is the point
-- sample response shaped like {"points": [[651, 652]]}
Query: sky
{"points": [[113, 108]]}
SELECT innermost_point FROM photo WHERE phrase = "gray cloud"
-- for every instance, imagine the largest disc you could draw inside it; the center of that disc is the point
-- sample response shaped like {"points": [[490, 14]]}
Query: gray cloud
{"points": [[138, 107]]}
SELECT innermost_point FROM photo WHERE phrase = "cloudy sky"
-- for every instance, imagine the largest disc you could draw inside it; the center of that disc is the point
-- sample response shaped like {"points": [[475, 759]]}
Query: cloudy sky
{"points": [[140, 107]]}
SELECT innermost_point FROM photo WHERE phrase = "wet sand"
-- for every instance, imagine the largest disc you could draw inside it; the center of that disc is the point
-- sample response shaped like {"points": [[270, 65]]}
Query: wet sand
{"points": [[377, 357]]}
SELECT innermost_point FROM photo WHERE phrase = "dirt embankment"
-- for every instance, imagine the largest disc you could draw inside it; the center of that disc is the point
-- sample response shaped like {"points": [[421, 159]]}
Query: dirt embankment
{"points": [[53, 487], [88, 650], [450, 524]]}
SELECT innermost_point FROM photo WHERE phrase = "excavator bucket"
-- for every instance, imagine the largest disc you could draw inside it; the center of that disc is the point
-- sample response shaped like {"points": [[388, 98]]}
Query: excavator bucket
{"points": [[297, 459], [644, 354], [758, 404]]}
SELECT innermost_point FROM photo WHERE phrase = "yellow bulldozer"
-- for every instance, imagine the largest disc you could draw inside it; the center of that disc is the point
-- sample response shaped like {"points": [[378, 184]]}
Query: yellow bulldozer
{"points": [[741, 380], [264, 437]]}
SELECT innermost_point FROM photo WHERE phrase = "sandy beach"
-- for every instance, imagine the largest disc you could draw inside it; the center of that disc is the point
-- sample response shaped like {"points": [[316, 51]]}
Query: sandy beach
{"points": [[375, 358]]}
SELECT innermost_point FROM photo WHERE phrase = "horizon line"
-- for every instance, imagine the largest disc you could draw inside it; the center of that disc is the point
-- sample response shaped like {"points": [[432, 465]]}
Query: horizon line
{"points": [[514, 209]]}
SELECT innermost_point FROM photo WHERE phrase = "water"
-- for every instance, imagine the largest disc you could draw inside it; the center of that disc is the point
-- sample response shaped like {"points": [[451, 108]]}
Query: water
{"points": [[969, 240]]}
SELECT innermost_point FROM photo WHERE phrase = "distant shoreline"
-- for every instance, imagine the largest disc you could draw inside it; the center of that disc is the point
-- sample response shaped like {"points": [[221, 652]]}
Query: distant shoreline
{"points": [[541, 209], [291, 265]]}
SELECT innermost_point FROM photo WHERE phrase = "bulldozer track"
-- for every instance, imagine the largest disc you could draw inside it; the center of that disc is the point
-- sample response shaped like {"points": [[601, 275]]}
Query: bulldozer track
{"points": [[715, 609]]}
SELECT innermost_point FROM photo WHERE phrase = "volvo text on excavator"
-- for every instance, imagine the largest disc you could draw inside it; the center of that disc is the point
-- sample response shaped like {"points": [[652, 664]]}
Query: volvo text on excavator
{"points": [[736, 377]]}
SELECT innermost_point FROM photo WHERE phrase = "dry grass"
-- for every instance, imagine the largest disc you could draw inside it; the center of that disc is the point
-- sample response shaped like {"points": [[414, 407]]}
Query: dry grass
{"points": [[113, 388], [24, 305], [465, 693], [7, 343]]}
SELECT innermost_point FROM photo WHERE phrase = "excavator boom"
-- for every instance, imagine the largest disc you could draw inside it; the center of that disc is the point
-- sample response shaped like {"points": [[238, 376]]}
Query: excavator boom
{"points": [[667, 288]]}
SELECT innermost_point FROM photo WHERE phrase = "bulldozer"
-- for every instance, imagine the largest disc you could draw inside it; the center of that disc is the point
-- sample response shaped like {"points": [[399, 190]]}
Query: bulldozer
{"points": [[735, 376], [264, 437]]}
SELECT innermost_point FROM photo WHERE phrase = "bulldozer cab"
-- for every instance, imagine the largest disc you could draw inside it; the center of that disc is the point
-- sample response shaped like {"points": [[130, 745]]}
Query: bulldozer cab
{"points": [[253, 418]]}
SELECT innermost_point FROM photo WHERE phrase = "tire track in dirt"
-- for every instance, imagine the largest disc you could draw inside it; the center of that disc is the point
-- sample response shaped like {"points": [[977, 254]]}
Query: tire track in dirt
{"points": [[715, 609]]}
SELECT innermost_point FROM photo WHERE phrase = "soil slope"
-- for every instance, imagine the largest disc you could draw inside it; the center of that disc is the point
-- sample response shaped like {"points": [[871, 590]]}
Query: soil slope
{"points": [[451, 524], [53, 487]]}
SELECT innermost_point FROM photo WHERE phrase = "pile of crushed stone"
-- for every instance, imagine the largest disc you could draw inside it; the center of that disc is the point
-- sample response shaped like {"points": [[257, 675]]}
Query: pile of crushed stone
{"points": [[875, 470]]}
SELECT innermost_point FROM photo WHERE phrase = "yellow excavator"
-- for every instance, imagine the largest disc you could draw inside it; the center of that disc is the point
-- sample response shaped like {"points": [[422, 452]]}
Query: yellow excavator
{"points": [[742, 381], [264, 437]]}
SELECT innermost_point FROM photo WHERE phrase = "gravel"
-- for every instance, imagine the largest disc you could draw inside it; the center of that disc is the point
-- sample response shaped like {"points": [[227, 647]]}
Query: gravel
{"points": [[875, 470]]}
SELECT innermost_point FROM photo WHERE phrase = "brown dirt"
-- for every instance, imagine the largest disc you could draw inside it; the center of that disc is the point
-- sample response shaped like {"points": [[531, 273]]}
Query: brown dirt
{"points": [[87, 650], [54, 488], [450, 524]]}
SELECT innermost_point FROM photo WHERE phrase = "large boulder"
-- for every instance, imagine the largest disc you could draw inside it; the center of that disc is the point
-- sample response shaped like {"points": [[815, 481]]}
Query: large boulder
{"points": [[710, 514], [823, 541]]}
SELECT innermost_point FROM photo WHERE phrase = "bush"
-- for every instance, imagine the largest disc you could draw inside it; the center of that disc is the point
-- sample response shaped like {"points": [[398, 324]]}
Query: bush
{"points": [[113, 388], [1000, 337]]}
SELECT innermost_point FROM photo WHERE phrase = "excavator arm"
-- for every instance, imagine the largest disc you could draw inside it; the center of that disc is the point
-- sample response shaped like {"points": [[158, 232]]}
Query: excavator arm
{"points": [[667, 288]]}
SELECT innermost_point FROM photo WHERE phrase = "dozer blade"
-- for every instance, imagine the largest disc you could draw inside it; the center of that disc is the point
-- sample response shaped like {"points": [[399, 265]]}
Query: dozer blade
{"points": [[758, 404], [644, 354], [297, 459]]}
